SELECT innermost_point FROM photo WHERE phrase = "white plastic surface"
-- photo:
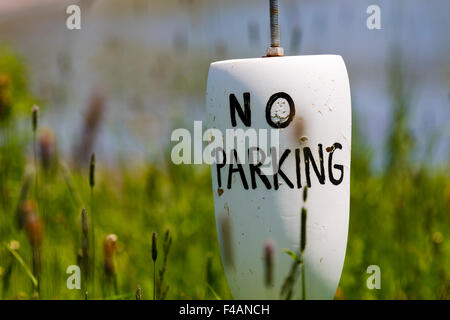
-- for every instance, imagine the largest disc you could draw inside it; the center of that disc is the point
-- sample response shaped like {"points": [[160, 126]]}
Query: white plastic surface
{"points": [[320, 89]]}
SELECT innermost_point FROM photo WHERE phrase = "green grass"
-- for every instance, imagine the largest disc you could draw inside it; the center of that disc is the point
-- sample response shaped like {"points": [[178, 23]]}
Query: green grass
{"points": [[399, 219]]}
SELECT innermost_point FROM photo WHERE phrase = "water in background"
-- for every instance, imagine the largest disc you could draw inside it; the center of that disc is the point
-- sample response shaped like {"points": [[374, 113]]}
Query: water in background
{"points": [[150, 61]]}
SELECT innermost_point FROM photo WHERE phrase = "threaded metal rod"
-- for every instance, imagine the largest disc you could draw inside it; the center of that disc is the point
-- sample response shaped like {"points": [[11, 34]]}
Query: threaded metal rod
{"points": [[274, 50], [274, 26]]}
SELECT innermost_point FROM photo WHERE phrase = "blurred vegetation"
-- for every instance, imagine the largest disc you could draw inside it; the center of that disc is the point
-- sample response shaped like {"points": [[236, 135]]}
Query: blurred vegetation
{"points": [[399, 220]]}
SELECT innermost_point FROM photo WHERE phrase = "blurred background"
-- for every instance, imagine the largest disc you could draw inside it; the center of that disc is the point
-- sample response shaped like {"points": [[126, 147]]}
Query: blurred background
{"points": [[137, 69]]}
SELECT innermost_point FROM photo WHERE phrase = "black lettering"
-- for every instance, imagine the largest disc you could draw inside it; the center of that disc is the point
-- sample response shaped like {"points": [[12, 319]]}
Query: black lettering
{"points": [[309, 157], [272, 99], [254, 169], [244, 115], [281, 173], [239, 169], [339, 167], [297, 168], [219, 166]]}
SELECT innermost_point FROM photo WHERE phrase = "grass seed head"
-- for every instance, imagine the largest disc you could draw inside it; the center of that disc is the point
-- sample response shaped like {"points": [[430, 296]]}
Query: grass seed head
{"points": [[92, 171], [167, 244], [225, 225], [5, 99], [33, 226], [110, 245], [47, 147], [138, 292], [154, 246], [79, 257], [300, 130], [303, 231], [25, 207], [34, 117], [92, 121], [269, 252]]}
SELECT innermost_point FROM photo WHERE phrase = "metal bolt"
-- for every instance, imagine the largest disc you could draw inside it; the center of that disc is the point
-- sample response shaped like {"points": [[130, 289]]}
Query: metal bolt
{"points": [[274, 50], [274, 27]]}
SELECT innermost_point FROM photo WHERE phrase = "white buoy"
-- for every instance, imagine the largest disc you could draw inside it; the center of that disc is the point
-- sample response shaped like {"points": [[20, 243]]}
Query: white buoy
{"points": [[306, 99]]}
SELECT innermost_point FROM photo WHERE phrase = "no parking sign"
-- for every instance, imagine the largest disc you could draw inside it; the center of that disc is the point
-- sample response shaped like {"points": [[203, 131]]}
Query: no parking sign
{"points": [[306, 100]]}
